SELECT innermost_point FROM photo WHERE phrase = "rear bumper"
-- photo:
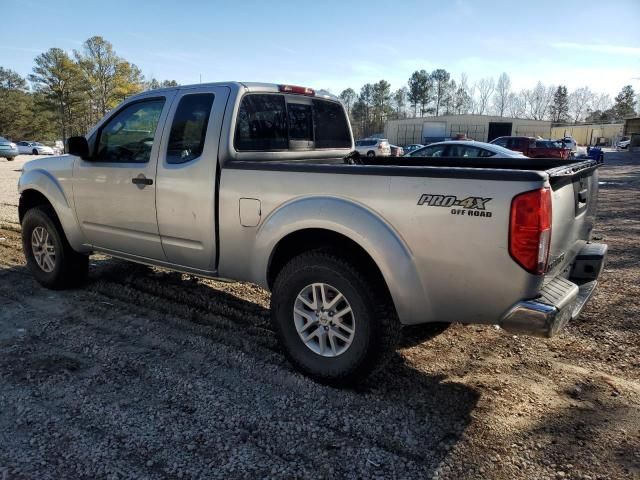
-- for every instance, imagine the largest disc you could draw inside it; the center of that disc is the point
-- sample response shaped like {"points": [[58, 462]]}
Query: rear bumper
{"points": [[560, 300]]}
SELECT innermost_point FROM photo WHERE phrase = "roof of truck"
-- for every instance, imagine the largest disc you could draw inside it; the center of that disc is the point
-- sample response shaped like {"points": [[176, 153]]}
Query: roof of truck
{"points": [[251, 86]]}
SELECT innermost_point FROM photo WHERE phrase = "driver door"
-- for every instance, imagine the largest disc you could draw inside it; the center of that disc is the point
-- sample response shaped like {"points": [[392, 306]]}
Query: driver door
{"points": [[115, 191]]}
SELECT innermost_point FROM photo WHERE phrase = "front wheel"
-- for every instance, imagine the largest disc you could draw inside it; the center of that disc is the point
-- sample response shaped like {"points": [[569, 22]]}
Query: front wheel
{"points": [[34, 151], [371, 154], [50, 258], [334, 323]]}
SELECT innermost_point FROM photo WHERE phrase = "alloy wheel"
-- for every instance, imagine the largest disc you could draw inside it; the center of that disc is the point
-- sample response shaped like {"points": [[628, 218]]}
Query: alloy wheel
{"points": [[324, 319]]}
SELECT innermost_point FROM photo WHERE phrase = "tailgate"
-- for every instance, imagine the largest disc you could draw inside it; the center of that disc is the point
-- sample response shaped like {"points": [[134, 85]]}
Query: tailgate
{"points": [[574, 203]]}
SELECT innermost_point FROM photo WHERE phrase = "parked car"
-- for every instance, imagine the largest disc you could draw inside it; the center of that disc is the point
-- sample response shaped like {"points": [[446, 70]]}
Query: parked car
{"points": [[396, 151], [34, 148], [373, 147], [568, 142], [350, 252], [464, 148], [58, 147], [623, 143], [8, 150], [530, 147], [412, 147]]}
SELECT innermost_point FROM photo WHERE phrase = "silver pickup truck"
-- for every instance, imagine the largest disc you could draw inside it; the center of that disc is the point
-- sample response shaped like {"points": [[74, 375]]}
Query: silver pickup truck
{"points": [[256, 182]]}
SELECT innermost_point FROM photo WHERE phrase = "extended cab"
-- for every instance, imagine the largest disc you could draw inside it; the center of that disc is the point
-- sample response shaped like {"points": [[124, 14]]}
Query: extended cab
{"points": [[251, 181], [533, 148]]}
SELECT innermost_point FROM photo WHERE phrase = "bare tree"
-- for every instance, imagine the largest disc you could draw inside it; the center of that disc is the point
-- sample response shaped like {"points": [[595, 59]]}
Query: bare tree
{"points": [[515, 105], [601, 102], [579, 102], [538, 101], [464, 100], [485, 88], [348, 96], [501, 97], [400, 102]]}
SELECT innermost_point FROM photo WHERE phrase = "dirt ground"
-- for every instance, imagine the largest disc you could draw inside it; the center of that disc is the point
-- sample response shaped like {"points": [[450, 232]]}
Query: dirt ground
{"points": [[149, 374]]}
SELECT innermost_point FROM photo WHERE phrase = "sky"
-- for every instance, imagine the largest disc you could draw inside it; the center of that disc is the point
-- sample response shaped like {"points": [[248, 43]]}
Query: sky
{"points": [[339, 44]]}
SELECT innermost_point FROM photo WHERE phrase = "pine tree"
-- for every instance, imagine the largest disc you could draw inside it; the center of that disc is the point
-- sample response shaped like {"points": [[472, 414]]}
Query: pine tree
{"points": [[625, 102], [560, 106]]}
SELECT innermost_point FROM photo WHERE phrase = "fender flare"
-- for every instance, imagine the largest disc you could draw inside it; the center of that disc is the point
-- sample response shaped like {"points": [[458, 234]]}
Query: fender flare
{"points": [[47, 185], [362, 225]]}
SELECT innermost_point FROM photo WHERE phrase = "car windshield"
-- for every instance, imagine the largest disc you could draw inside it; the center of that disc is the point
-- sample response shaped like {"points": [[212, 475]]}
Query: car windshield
{"points": [[2, 139]]}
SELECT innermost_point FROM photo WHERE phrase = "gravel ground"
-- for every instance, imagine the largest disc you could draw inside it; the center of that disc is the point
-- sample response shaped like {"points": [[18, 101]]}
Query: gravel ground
{"points": [[149, 374]]}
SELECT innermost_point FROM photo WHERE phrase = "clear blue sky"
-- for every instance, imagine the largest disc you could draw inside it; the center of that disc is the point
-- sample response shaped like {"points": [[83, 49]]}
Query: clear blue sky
{"points": [[337, 44]]}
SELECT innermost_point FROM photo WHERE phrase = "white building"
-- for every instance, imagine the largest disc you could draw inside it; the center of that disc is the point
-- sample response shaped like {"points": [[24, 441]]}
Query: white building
{"points": [[483, 128]]}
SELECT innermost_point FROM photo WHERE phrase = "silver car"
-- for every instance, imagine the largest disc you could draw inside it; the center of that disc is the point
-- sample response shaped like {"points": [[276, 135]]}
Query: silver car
{"points": [[464, 148], [8, 150]]}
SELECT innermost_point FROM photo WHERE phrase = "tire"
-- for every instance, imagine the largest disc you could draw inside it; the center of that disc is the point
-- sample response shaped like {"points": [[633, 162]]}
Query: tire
{"points": [[371, 154], [34, 152], [372, 319], [66, 268], [10, 159]]}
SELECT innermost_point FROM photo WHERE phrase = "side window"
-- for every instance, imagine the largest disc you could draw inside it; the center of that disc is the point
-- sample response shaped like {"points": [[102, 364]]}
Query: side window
{"points": [[485, 153], [435, 151], [189, 128], [502, 142], [332, 128], [512, 143], [463, 151], [262, 123], [128, 137]]}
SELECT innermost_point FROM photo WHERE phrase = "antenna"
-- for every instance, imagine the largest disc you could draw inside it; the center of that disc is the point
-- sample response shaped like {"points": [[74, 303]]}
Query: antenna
{"points": [[200, 78]]}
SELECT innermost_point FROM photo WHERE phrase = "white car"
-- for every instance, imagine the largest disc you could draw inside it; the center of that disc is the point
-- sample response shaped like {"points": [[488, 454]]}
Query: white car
{"points": [[569, 142], [623, 143], [465, 148], [373, 147], [34, 148]]}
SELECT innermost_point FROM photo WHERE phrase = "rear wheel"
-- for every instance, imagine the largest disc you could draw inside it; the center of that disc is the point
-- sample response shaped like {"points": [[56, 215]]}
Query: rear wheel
{"points": [[50, 258], [10, 159], [334, 324], [34, 151]]}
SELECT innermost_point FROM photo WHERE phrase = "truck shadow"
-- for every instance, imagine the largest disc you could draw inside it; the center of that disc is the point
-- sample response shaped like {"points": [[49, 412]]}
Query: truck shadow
{"points": [[399, 421]]}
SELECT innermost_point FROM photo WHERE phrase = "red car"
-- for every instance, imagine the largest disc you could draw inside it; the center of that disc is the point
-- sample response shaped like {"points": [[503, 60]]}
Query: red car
{"points": [[533, 148]]}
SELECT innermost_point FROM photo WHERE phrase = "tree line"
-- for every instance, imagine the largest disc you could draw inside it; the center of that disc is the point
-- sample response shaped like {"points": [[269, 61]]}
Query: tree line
{"points": [[66, 94], [437, 93]]}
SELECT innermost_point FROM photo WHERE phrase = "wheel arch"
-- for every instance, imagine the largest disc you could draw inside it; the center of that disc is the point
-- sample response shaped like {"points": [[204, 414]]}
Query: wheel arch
{"points": [[349, 228], [37, 187]]}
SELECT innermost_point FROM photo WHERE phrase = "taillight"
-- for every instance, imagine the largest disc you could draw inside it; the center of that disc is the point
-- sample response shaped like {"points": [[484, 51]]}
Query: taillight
{"points": [[296, 89], [530, 229]]}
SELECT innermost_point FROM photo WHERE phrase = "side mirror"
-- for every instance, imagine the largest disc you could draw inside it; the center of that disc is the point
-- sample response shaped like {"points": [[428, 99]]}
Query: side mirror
{"points": [[79, 147]]}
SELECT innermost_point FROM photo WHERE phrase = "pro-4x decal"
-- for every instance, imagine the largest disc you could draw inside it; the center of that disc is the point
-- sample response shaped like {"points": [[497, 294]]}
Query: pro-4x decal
{"points": [[470, 206]]}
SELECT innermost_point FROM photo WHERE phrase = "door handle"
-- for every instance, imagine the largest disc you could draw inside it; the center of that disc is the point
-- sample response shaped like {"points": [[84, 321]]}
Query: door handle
{"points": [[142, 180], [582, 196]]}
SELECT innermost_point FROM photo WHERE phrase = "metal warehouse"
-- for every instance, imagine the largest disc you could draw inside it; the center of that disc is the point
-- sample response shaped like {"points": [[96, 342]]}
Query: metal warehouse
{"points": [[477, 127]]}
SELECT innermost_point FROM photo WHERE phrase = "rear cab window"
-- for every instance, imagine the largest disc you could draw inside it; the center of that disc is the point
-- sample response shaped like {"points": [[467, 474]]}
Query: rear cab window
{"points": [[277, 122]]}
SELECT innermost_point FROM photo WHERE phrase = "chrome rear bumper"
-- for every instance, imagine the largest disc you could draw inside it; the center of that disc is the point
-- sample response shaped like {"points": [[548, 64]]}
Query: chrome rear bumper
{"points": [[560, 301]]}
